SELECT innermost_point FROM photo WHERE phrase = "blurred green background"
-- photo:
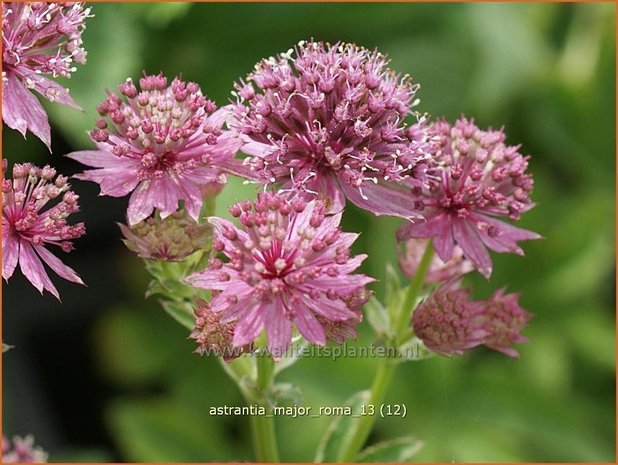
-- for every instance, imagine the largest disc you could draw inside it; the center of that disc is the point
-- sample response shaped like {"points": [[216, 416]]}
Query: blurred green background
{"points": [[108, 376]]}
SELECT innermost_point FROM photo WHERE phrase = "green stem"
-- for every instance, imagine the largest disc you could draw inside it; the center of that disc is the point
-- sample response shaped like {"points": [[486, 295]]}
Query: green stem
{"points": [[263, 426], [381, 381], [409, 301], [387, 366]]}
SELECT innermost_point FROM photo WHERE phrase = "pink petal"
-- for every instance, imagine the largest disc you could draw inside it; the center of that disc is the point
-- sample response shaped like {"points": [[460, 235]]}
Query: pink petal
{"points": [[140, 204], [278, 329], [334, 310], [10, 251], [249, 326], [380, 199], [329, 192], [309, 326], [21, 110], [468, 239], [51, 90], [165, 196], [33, 270], [95, 158], [56, 264], [207, 279]]}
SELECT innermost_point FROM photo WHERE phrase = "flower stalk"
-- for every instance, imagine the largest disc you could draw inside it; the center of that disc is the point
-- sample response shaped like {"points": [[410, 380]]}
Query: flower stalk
{"points": [[387, 366]]}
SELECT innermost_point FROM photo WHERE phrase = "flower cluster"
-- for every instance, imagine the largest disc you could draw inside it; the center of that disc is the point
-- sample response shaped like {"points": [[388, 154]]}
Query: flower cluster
{"points": [[327, 121], [164, 144], [38, 39], [172, 239], [288, 263], [476, 179], [30, 224], [22, 450], [448, 322]]}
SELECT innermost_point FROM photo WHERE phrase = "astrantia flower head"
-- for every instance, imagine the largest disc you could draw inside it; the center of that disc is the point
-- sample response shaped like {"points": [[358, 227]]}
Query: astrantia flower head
{"points": [[162, 143], [411, 253], [327, 121], [448, 322], [212, 336], [288, 264], [172, 239], [505, 320], [478, 179], [22, 451], [38, 39], [35, 208]]}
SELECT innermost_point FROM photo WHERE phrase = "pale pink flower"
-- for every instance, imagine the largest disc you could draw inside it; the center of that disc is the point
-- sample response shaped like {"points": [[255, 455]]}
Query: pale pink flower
{"points": [[163, 144], [30, 224], [22, 450], [172, 239], [288, 264], [38, 39], [477, 179], [411, 253], [505, 320], [448, 322], [328, 122]]}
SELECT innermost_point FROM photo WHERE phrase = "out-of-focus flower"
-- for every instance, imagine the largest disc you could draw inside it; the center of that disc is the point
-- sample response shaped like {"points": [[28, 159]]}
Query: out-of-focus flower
{"points": [[289, 263], [172, 239], [38, 39], [212, 336], [477, 179], [505, 320], [164, 144], [22, 451], [327, 122], [448, 322], [411, 253], [29, 224]]}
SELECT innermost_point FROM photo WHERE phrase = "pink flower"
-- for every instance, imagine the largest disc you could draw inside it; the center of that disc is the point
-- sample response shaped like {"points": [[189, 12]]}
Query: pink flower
{"points": [[327, 121], [411, 253], [448, 322], [172, 239], [29, 224], [22, 451], [505, 320], [477, 179], [164, 144], [38, 39], [288, 264]]}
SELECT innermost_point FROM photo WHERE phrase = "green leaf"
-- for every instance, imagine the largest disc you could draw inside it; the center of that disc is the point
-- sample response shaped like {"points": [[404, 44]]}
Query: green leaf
{"points": [[396, 450], [414, 350], [159, 430], [393, 289], [182, 312], [378, 317], [285, 393], [341, 429]]}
